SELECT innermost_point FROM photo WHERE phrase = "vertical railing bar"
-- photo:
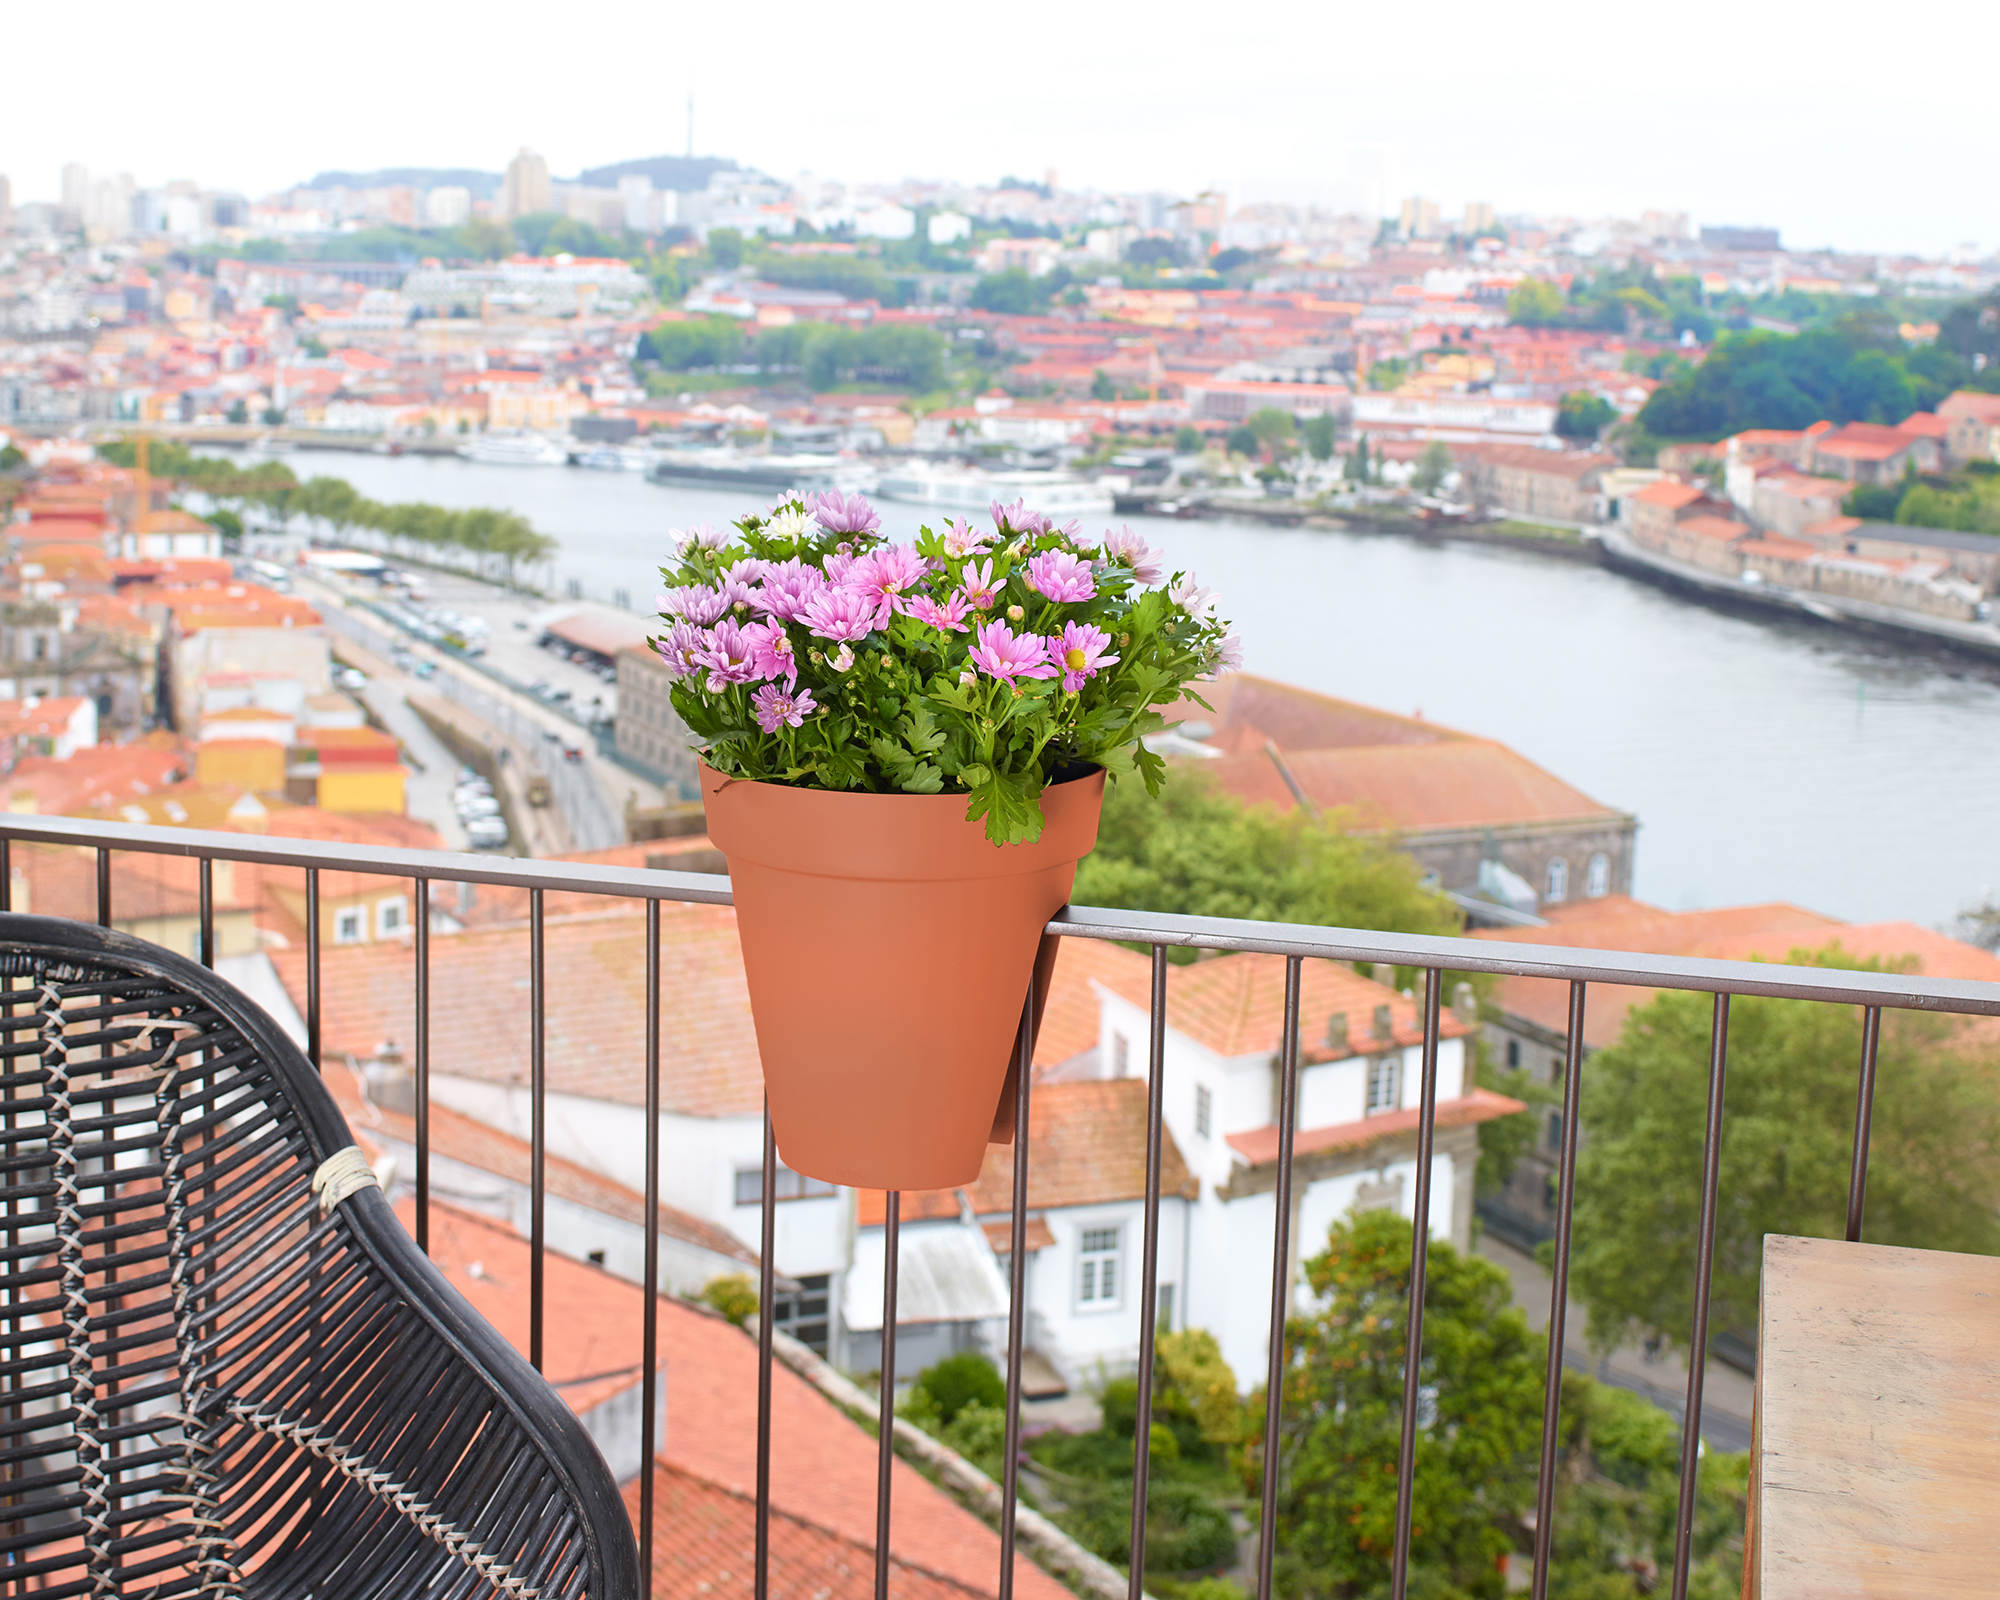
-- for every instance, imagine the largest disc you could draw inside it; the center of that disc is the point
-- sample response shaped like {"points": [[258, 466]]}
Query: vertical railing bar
{"points": [[767, 1249], [885, 1435], [103, 886], [208, 911], [312, 967], [538, 1093], [1864, 1117], [1017, 1292], [1149, 1267], [422, 954], [1545, 1483], [1406, 1462], [1281, 1275], [1711, 1182], [649, 1360], [7, 879]]}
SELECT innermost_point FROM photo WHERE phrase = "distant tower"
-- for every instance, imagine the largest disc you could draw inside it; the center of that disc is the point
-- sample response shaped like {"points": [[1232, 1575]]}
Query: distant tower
{"points": [[76, 191], [527, 188]]}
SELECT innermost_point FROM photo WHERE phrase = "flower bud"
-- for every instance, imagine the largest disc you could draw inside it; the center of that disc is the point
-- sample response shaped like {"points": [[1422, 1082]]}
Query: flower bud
{"points": [[1015, 613]]}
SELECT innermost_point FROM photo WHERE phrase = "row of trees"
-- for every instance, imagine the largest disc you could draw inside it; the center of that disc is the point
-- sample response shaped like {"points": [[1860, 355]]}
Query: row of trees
{"points": [[824, 354], [492, 543], [1970, 503]]}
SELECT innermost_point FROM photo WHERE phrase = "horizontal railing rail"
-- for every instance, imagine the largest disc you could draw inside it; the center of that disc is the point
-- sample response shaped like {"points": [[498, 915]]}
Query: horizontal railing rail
{"points": [[1437, 958]]}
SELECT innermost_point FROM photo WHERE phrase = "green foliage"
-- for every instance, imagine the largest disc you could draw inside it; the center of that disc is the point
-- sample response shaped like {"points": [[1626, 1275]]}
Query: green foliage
{"points": [[1432, 467], [1583, 416], [733, 1295], [1534, 304], [482, 239], [10, 458], [697, 345], [1272, 428], [1101, 386], [1388, 372], [1504, 1140], [1198, 851], [829, 354], [890, 702], [1770, 380], [1340, 1419], [1190, 1369], [725, 248], [1873, 502], [1934, 1153], [1012, 292], [979, 1433], [856, 277], [1969, 506], [1318, 434], [959, 1381], [1187, 441], [1241, 441], [1358, 470]]}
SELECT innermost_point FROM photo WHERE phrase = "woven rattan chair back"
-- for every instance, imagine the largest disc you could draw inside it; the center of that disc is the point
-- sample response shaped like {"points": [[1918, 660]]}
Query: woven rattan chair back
{"points": [[225, 1369]]}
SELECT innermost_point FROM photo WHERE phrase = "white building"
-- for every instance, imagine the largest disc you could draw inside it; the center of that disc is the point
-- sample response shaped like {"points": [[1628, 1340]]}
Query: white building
{"points": [[948, 227], [447, 206]]}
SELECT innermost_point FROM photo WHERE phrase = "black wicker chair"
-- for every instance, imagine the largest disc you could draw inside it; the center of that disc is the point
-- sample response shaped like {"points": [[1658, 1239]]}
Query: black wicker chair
{"points": [[225, 1369]]}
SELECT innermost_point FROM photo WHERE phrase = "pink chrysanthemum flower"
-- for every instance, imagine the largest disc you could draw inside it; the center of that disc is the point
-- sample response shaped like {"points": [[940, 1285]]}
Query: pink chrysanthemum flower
{"points": [[981, 589], [1196, 601], [1132, 550], [786, 588], [745, 572], [1229, 654], [1080, 653], [839, 564], [1001, 653], [838, 513], [704, 603], [1060, 576], [950, 615], [771, 651], [1018, 519], [962, 539], [774, 707], [888, 573], [844, 613], [731, 656], [700, 537], [681, 649]]}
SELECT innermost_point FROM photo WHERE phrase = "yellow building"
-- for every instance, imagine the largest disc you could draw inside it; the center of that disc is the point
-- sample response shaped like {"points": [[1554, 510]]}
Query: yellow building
{"points": [[362, 786]]}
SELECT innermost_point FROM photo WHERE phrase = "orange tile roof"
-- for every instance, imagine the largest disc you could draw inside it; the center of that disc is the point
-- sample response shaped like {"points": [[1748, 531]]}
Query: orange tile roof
{"points": [[1925, 425], [1671, 495], [705, 1534], [1457, 783], [102, 776], [1086, 1147], [595, 967], [1070, 1018], [1234, 1005], [1720, 529], [1260, 1145], [1248, 710]]}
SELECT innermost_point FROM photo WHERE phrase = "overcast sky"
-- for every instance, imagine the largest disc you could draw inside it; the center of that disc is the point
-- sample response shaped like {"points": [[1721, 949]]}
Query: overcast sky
{"points": [[1733, 112]]}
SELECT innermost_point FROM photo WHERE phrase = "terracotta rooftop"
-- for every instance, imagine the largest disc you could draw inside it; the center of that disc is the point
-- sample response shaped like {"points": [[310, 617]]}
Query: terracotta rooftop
{"points": [[1086, 1146], [1234, 1005], [1671, 495], [1260, 1145]]}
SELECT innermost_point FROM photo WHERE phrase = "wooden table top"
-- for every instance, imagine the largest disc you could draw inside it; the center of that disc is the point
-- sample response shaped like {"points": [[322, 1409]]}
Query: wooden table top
{"points": [[1877, 1455]]}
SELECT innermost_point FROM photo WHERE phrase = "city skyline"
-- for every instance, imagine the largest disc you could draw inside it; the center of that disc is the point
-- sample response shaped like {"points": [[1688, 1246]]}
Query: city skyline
{"points": [[1572, 119]]}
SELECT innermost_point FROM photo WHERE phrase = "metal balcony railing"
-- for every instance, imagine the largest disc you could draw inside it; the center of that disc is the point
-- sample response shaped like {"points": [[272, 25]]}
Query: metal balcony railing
{"points": [[1434, 956]]}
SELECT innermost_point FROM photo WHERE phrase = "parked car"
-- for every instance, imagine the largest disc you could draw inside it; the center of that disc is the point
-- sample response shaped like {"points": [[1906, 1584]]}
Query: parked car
{"points": [[486, 833], [481, 805], [350, 677]]}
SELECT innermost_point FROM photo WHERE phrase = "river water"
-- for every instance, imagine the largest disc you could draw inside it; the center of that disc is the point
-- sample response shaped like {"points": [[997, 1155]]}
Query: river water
{"points": [[1766, 759]]}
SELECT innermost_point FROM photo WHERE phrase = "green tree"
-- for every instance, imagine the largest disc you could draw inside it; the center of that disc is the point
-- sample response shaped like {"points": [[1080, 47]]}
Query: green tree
{"points": [[1196, 850], [1771, 380], [1934, 1153], [481, 239], [697, 345], [1477, 1439], [1319, 434], [1012, 292], [1357, 461], [1101, 386], [1432, 467], [1272, 428], [726, 248], [734, 1295], [1583, 416], [959, 1381], [1241, 441], [1535, 303], [1187, 441]]}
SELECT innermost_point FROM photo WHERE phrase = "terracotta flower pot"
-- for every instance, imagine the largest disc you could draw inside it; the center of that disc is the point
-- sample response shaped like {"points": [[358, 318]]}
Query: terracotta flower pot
{"points": [[888, 946]]}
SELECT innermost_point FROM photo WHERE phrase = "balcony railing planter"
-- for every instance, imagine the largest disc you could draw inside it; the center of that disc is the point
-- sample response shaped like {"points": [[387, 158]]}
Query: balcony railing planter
{"points": [[888, 948], [891, 737]]}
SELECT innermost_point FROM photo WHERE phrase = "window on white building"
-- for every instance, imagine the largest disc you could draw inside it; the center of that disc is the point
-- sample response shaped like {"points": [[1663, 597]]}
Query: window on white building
{"points": [[1098, 1280], [1385, 1084], [390, 917], [349, 926], [1513, 1052], [1557, 887], [787, 1184], [1597, 882], [1204, 1106]]}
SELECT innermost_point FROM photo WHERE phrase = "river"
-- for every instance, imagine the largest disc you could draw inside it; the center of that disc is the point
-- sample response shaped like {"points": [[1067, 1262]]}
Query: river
{"points": [[1766, 759]]}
